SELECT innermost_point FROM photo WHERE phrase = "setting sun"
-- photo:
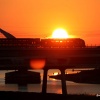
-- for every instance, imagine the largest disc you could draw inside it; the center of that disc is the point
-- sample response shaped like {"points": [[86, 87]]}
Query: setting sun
{"points": [[60, 33]]}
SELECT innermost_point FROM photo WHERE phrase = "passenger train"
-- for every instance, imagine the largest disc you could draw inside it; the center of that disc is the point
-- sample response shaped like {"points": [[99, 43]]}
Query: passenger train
{"points": [[42, 43], [11, 41]]}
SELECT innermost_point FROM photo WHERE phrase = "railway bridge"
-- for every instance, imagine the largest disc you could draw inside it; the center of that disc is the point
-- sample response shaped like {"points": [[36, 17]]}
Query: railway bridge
{"points": [[49, 58]]}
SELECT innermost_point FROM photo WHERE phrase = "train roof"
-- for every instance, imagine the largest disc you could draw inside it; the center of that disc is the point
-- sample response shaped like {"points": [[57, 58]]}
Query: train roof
{"points": [[49, 39], [18, 38], [63, 39]]}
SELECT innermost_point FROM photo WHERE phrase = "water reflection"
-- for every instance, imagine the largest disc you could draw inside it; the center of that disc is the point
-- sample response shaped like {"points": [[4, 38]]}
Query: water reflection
{"points": [[23, 88], [53, 86]]}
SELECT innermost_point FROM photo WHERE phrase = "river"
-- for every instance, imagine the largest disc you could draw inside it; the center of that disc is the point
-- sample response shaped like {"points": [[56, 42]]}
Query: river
{"points": [[53, 86]]}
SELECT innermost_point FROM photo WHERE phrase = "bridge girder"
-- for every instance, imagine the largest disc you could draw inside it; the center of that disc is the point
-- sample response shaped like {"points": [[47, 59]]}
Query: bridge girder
{"points": [[6, 34]]}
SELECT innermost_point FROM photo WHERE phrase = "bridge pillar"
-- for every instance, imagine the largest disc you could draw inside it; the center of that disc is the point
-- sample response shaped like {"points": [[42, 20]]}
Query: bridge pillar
{"points": [[63, 81], [44, 85]]}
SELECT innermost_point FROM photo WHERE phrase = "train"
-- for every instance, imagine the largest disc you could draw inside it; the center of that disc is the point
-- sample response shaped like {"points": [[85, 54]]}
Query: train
{"points": [[42, 43]]}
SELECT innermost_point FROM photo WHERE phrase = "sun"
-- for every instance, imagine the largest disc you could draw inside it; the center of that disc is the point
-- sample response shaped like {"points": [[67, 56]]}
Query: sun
{"points": [[60, 33]]}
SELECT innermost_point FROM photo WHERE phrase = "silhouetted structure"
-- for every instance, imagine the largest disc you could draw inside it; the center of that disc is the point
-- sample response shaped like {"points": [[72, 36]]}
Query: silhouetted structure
{"points": [[18, 56], [6, 34], [22, 77], [85, 76], [11, 41]]}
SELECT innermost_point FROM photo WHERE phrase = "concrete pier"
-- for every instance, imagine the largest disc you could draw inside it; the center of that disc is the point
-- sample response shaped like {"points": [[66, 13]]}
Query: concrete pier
{"points": [[63, 81], [44, 85], [23, 78]]}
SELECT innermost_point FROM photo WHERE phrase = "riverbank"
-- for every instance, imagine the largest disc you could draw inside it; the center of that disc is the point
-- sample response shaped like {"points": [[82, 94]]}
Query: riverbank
{"points": [[8, 95], [85, 76]]}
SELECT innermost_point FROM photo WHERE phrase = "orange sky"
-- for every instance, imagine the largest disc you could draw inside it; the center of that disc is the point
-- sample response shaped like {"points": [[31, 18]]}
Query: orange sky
{"points": [[38, 18]]}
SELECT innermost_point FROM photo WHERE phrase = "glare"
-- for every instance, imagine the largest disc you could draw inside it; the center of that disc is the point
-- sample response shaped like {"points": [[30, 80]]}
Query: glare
{"points": [[60, 33], [37, 63], [55, 73]]}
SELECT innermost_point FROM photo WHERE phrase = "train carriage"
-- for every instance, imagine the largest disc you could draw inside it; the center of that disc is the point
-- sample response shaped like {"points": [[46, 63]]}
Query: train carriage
{"points": [[37, 42], [67, 43]]}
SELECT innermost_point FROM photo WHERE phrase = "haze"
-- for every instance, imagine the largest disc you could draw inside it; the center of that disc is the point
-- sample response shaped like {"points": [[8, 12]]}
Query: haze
{"points": [[39, 18]]}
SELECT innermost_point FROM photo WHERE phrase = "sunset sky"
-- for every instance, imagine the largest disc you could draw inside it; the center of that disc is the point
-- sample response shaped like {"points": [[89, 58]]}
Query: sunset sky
{"points": [[39, 18]]}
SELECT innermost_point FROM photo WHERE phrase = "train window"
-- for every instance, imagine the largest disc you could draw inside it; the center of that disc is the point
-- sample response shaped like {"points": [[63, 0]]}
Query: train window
{"points": [[45, 42], [52, 41], [56, 41]]}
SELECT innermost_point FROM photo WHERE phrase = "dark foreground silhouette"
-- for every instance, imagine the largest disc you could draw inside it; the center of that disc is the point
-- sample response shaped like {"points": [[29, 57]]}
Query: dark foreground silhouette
{"points": [[85, 76], [39, 96]]}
